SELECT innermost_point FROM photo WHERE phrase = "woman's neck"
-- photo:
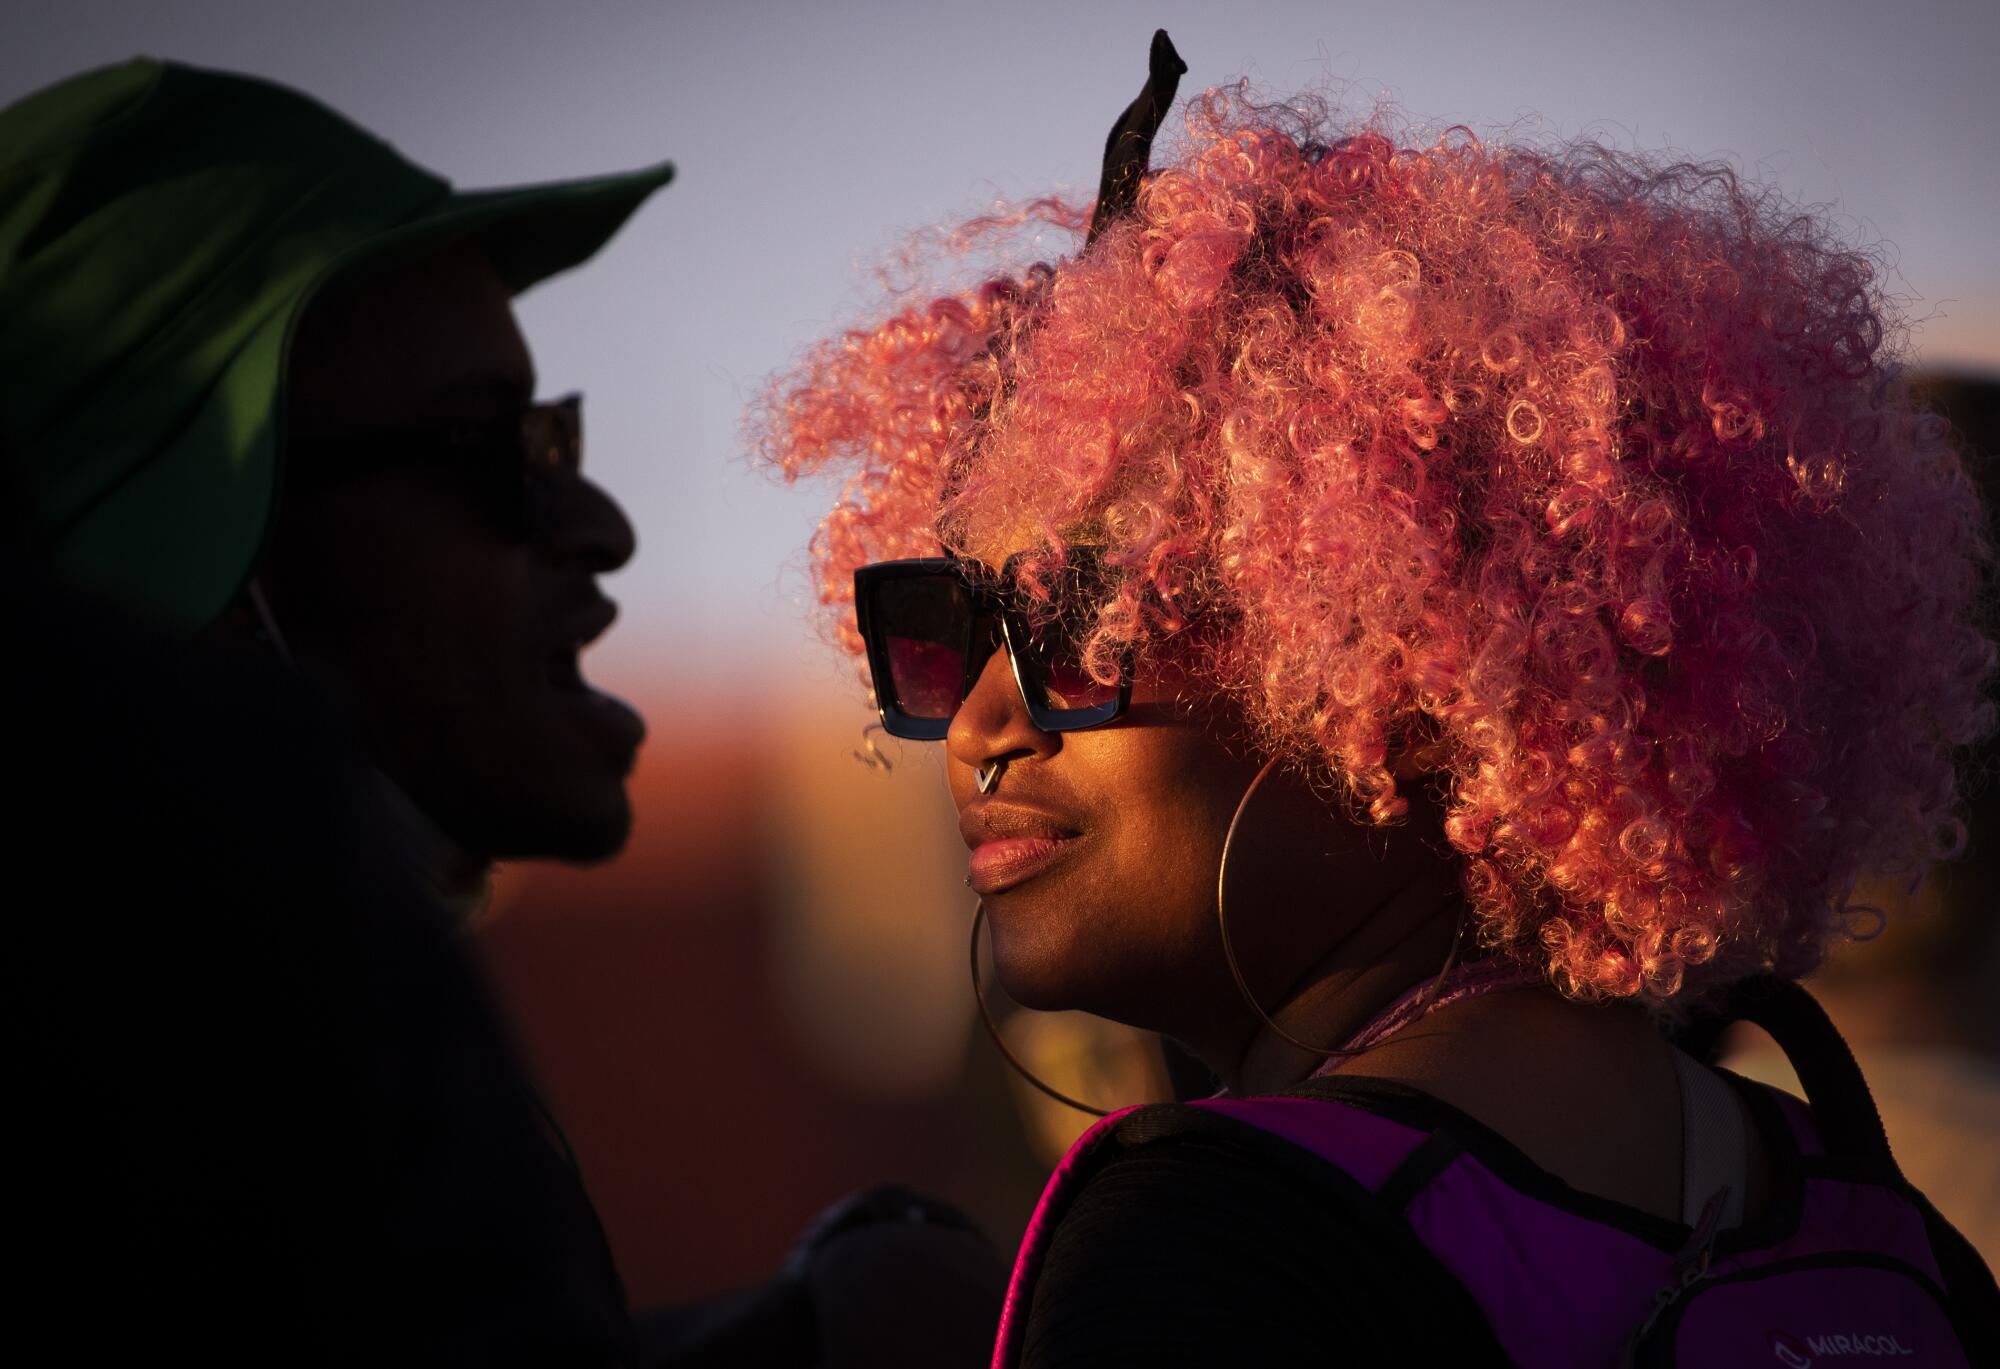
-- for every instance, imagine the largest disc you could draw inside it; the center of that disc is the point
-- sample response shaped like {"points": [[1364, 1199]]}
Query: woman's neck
{"points": [[1404, 939]]}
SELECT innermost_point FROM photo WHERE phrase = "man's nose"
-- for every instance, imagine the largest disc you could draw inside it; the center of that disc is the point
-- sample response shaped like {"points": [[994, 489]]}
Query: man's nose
{"points": [[590, 529]]}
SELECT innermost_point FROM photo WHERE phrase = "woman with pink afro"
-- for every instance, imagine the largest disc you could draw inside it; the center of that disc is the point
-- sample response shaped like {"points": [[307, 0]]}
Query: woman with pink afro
{"points": [[1434, 628]]}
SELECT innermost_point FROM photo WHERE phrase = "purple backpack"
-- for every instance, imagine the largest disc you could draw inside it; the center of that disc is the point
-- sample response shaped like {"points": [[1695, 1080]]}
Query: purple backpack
{"points": [[1850, 1267]]}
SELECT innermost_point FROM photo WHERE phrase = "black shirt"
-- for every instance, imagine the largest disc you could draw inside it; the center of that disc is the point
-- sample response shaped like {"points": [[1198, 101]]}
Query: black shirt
{"points": [[263, 1110]]}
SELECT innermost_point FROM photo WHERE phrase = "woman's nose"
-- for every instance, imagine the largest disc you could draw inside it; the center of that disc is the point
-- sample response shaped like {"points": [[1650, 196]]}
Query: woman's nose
{"points": [[993, 721]]}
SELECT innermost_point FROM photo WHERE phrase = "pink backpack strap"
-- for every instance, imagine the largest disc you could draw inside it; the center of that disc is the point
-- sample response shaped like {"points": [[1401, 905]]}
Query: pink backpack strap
{"points": [[1035, 1240]]}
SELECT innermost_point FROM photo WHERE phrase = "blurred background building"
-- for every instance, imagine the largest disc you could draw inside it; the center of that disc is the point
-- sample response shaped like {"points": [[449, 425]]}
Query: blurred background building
{"points": [[765, 1003]]}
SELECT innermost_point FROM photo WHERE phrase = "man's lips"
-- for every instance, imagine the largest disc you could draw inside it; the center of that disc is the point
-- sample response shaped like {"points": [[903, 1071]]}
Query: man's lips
{"points": [[585, 626], [590, 621], [618, 726], [1011, 845]]}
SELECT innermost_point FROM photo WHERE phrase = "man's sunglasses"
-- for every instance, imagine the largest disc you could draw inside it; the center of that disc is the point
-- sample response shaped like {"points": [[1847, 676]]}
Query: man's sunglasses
{"points": [[931, 625], [512, 468]]}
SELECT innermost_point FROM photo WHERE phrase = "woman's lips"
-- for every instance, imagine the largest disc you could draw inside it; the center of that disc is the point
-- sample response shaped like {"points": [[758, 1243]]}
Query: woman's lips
{"points": [[1002, 864]]}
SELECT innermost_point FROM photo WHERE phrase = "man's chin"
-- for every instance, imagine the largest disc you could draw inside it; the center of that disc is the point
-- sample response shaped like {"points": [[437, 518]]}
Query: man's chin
{"points": [[586, 830], [597, 844], [582, 835]]}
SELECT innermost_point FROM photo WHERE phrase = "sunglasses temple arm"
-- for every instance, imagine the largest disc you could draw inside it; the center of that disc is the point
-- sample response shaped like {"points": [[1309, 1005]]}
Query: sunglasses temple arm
{"points": [[1014, 664]]}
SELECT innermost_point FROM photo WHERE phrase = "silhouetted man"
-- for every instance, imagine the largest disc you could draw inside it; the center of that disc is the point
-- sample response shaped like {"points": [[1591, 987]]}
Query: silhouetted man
{"points": [[299, 573]]}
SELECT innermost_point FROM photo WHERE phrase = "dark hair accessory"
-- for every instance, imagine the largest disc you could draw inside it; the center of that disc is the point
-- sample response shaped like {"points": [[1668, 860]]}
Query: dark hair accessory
{"points": [[1130, 145]]}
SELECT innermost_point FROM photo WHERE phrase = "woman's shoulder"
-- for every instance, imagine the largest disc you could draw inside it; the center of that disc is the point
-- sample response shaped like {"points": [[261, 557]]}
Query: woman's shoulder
{"points": [[1341, 1139], [1194, 1232], [1353, 1150], [1248, 1229]]}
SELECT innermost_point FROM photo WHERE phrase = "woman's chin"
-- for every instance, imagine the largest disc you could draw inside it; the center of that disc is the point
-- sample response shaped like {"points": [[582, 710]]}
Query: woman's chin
{"points": [[1052, 975], [1040, 968], [1075, 945], [1038, 981]]}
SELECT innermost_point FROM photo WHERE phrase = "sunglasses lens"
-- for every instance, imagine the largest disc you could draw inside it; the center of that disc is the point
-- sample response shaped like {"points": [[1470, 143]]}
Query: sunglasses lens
{"points": [[1052, 648], [925, 627], [1060, 680], [551, 449], [1068, 685]]}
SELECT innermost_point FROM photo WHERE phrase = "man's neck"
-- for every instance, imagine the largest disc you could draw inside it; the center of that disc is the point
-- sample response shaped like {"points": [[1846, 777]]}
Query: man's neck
{"points": [[459, 880]]}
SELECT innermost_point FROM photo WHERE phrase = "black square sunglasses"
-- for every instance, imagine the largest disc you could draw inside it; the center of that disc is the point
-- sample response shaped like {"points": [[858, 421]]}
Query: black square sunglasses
{"points": [[512, 467], [930, 625]]}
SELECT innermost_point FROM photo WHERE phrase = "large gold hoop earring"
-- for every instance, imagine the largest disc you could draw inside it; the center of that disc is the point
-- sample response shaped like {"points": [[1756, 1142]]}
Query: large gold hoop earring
{"points": [[993, 1030], [1236, 968]]}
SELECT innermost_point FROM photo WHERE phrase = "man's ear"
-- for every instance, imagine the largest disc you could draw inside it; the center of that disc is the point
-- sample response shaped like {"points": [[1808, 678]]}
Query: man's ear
{"points": [[234, 626], [248, 624]]}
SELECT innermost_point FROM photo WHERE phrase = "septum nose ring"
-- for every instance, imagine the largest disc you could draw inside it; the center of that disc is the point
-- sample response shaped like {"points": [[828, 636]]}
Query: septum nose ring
{"points": [[988, 775]]}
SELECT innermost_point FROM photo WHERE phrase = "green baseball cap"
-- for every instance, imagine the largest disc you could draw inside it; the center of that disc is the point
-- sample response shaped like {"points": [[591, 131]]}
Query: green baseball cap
{"points": [[162, 228]]}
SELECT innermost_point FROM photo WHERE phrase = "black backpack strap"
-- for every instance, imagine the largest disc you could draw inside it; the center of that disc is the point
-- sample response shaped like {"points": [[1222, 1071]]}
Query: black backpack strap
{"points": [[1851, 1126], [1843, 1108], [1967, 1280]]}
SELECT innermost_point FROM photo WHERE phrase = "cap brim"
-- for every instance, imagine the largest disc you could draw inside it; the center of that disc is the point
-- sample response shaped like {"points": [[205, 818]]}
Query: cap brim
{"points": [[204, 505], [529, 233]]}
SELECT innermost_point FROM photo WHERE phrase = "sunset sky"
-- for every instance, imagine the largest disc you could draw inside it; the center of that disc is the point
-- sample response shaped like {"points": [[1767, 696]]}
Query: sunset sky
{"points": [[812, 138]]}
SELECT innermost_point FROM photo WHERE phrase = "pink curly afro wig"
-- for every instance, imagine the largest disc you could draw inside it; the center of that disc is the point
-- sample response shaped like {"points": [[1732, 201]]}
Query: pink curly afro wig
{"points": [[1596, 475]]}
